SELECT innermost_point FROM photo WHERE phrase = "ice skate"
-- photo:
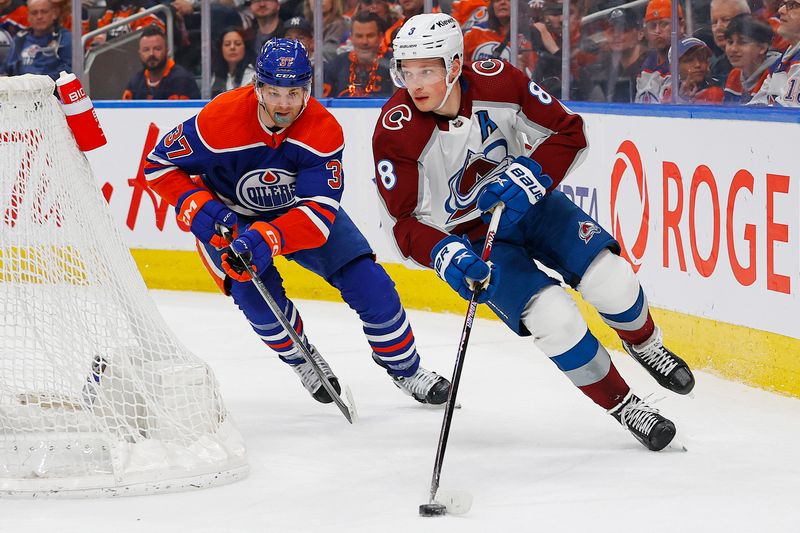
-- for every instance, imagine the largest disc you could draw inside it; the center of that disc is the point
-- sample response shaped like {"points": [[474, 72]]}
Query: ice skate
{"points": [[310, 380], [424, 386], [668, 369], [644, 422]]}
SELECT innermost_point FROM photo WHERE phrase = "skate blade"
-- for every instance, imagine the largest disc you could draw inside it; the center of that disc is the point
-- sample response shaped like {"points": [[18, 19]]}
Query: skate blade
{"points": [[351, 405], [457, 502], [439, 407], [678, 444]]}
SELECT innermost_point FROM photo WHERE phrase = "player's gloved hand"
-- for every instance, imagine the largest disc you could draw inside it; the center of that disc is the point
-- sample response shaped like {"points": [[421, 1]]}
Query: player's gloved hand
{"points": [[198, 212], [456, 263], [519, 187], [256, 246]]}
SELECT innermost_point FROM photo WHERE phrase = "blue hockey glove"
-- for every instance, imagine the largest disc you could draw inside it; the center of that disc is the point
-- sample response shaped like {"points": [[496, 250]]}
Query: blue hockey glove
{"points": [[519, 187], [456, 263], [253, 248], [198, 212]]}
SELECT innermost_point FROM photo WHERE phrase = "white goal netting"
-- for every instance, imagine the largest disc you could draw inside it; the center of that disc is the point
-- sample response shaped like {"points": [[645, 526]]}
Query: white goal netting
{"points": [[97, 396]]}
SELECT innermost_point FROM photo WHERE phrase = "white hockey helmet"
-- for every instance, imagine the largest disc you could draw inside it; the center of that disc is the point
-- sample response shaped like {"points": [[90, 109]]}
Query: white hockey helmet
{"points": [[428, 36]]}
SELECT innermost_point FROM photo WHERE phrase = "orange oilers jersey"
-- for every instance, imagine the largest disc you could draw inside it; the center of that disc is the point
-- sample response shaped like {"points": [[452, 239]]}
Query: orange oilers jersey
{"points": [[483, 43], [291, 178], [12, 22], [469, 13]]}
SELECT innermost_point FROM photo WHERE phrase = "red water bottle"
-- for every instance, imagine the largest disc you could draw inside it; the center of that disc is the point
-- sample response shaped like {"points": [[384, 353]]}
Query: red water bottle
{"points": [[78, 108]]}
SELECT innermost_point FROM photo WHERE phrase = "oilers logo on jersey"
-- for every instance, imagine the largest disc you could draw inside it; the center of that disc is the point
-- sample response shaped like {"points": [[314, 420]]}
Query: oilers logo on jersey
{"points": [[266, 189]]}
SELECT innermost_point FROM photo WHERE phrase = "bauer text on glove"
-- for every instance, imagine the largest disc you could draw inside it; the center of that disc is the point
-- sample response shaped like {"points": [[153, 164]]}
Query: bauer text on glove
{"points": [[519, 187]]}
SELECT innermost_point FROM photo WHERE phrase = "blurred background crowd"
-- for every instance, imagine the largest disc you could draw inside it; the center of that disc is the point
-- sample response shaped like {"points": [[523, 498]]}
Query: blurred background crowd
{"points": [[727, 52]]}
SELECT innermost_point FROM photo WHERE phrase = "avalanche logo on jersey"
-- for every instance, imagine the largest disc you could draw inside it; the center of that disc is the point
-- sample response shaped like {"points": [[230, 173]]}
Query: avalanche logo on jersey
{"points": [[467, 183], [586, 230], [266, 189]]}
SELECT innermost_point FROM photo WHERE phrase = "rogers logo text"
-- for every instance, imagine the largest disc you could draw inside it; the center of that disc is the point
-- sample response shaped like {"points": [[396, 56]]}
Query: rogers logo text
{"points": [[266, 189], [628, 158], [729, 223]]}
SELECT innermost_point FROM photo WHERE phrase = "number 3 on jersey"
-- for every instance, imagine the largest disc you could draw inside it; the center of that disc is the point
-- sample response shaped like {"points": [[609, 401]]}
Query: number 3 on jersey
{"points": [[177, 136], [335, 166]]}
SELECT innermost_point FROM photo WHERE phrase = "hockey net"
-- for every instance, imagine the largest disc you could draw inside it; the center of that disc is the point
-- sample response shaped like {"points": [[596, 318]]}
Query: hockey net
{"points": [[97, 396]]}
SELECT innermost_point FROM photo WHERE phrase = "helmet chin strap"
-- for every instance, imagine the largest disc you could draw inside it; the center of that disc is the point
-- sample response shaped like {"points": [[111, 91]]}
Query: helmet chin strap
{"points": [[450, 85]]}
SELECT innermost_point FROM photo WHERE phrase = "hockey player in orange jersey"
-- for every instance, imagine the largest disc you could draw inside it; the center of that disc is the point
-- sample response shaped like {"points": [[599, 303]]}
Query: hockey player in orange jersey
{"points": [[269, 159]]}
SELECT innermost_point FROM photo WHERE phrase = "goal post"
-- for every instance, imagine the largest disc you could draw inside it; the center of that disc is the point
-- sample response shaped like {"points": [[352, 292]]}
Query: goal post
{"points": [[97, 396]]}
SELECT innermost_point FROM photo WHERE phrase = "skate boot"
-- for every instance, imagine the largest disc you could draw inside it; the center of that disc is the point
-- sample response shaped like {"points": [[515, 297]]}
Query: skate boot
{"points": [[668, 369], [424, 386], [644, 422], [310, 380]]}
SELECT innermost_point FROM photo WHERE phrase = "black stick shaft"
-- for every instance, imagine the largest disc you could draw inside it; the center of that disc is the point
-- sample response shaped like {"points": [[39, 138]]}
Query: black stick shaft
{"points": [[276, 310], [460, 356]]}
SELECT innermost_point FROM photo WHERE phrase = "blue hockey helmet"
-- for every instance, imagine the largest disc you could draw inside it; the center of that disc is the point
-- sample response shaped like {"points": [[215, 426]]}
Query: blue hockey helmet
{"points": [[283, 63]]}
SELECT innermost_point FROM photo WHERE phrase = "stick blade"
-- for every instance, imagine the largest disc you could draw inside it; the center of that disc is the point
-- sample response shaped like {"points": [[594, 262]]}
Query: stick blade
{"points": [[456, 502]]}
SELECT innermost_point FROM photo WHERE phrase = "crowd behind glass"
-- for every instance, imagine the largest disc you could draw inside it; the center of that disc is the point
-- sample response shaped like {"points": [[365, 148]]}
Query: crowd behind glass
{"points": [[617, 51]]}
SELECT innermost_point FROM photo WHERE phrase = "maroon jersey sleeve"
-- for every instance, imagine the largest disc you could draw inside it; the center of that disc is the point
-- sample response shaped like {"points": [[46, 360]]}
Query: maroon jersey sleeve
{"points": [[565, 146], [561, 136], [400, 137]]}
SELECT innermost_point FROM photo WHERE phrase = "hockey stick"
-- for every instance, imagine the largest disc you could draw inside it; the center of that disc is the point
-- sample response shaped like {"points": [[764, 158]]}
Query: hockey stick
{"points": [[348, 411], [432, 508]]}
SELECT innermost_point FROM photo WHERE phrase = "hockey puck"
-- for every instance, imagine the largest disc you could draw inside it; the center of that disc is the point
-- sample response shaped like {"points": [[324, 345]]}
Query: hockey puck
{"points": [[432, 509]]}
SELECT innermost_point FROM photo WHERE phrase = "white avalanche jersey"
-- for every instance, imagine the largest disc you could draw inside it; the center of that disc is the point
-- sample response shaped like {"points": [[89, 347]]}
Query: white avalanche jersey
{"points": [[430, 169], [782, 86]]}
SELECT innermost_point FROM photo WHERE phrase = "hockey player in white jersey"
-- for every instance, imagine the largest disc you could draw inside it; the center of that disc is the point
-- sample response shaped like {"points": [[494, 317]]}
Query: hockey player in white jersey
{"points": [[460, 137]]}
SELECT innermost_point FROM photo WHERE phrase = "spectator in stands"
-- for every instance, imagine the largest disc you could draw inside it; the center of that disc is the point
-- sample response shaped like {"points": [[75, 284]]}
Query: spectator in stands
{"points": [[232, 62], [409, 9], [118, 10], [336, 27], [769, 14], [13, 18], [612, 78], [64, 10], [782, 86], [722, 11], [186, 28], [651, 82], [694, 75], [494, 40], [267, 24], [363, 72], [242, 9], [546, 39], [747, 46], [382, 8], [299, 29], [44, 48], [161, 78], [349, 8], [470, 13]]}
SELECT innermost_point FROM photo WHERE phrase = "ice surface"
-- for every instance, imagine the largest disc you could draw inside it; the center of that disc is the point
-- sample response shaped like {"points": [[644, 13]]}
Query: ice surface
{"points": [[535, 454]]}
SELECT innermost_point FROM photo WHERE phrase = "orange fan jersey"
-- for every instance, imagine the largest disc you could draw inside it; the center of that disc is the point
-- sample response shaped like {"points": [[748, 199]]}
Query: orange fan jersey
{"points": [[469, 13]]}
